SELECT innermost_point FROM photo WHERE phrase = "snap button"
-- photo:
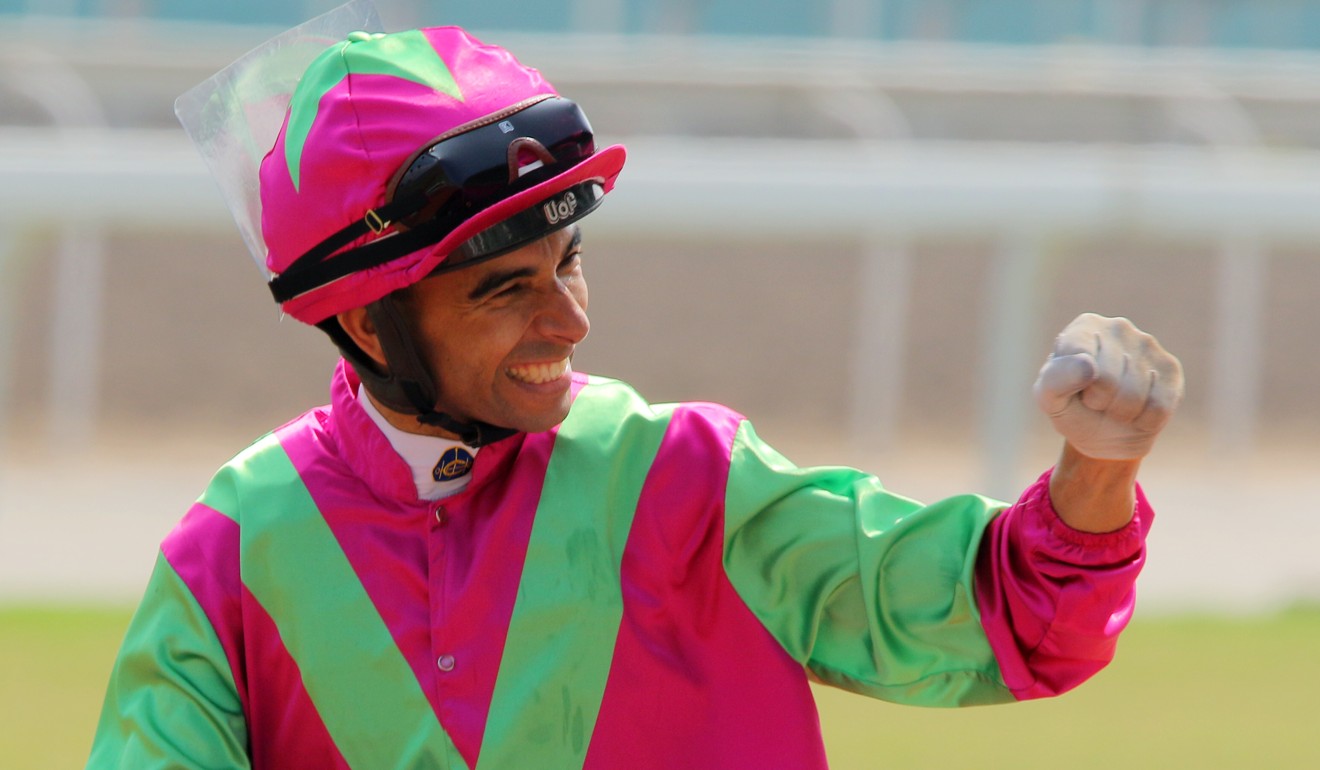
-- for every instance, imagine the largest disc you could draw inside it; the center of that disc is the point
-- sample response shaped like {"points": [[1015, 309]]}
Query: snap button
{"points": [[445, 663]]}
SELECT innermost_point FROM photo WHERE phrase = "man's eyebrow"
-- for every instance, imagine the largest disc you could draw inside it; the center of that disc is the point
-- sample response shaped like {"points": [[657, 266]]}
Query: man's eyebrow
{"points": [[495, 280], [575, 242]]}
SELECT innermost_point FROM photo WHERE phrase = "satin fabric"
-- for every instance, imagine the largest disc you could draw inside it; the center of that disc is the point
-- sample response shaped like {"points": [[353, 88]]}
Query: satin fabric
{"points": [[646, 586]]}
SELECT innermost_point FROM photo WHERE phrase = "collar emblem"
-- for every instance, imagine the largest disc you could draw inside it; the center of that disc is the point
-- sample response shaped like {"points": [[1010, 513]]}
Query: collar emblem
{"points": [[455, 463]]}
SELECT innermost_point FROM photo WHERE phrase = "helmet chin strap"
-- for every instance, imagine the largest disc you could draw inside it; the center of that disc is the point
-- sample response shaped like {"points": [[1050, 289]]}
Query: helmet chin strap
{"points": [[407, 386]]}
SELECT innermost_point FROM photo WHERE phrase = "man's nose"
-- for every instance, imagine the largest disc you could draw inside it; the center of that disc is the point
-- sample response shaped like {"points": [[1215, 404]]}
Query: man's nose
{"points": [[564, 316]]}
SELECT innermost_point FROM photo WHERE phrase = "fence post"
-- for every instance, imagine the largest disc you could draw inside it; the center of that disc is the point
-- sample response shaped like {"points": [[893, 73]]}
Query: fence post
{"points": [[8, 323], [76, 335], [879, 349], [1235, 387], [74, 372], [1009, 358]]}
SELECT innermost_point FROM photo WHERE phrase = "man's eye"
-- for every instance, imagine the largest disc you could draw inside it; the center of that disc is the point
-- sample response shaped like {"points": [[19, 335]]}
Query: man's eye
{"points": [[571, 262]]}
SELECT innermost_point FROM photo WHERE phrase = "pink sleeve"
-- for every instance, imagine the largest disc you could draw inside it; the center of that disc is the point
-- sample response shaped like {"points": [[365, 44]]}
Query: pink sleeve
{"points": [[1053, 599]]}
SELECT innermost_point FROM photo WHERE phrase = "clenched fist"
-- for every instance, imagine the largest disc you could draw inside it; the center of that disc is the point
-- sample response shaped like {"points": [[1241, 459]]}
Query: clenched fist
{"points": [[1109, 387]]}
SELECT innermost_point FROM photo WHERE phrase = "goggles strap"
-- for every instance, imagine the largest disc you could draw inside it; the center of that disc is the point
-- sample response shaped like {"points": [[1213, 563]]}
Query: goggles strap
{"points": [[310, 272], [374, 221]]}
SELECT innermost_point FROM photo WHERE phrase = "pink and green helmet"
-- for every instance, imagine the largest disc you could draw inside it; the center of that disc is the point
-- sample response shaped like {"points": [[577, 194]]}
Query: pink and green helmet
{"points": [[427, 102]]}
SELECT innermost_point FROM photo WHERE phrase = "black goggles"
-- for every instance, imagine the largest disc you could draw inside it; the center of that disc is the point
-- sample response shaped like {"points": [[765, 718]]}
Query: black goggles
{"points": [[452, 179]]}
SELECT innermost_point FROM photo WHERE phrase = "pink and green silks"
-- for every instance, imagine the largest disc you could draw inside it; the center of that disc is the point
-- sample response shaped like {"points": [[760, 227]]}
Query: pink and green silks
{"points": [[643, 587]]}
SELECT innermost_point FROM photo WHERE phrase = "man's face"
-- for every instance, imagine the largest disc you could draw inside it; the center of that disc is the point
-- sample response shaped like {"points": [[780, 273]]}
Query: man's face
{"points": [[499, 335]]}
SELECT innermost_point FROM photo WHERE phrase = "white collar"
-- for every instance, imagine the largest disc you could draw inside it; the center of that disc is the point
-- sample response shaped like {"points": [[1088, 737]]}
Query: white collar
{"points": [[429, 458]]}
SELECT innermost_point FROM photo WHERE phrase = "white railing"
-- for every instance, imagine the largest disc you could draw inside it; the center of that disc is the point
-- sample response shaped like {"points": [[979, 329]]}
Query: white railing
{"points": [[884, 194], [883, 187]]}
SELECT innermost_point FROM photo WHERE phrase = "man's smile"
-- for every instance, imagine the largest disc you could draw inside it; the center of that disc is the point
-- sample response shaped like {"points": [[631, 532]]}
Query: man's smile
{"points": [[538, 374]]}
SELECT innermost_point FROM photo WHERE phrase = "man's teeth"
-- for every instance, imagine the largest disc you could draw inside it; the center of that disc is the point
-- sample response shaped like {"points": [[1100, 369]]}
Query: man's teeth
{"points": [[539, 373]]}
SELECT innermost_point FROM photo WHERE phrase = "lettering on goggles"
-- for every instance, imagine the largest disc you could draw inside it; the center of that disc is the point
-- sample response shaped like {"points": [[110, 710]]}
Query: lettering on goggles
{"points": [[562, 207]]}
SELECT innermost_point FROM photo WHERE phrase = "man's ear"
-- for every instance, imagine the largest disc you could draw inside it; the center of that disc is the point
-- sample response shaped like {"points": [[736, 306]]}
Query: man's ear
{"points": [[358, 326]]}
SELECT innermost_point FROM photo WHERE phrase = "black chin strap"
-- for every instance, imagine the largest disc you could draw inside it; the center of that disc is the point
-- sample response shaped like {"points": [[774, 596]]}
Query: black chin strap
{"points": [[407, 386]]}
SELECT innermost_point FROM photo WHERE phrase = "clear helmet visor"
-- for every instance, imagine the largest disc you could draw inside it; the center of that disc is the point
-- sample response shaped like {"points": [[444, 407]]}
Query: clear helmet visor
{"points": [[234, 117]]}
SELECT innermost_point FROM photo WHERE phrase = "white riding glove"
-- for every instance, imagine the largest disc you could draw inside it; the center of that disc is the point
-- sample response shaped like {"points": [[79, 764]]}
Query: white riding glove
{"points": [[1109, 387]]}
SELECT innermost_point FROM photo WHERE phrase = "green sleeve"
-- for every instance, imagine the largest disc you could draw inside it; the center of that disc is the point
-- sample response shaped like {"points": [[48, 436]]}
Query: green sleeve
{"points": [[871, 591], [171, 702]]}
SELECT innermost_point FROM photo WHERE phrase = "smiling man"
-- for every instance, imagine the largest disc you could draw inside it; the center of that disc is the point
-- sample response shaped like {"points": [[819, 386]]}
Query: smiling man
{"points": [[503, 332], [475, 556]]}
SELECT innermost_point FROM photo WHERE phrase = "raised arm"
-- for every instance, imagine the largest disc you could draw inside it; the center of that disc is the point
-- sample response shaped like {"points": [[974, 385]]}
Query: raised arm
{"points": [[1109, 389], [1056, 575]]}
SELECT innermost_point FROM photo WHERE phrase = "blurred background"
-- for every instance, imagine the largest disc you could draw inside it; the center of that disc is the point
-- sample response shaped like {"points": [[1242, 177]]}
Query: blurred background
{"points": [[859, 222]]}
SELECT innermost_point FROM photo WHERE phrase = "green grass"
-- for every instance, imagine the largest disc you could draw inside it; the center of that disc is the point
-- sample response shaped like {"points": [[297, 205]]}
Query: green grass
{"points": [[1195, 692], [53, 669]]}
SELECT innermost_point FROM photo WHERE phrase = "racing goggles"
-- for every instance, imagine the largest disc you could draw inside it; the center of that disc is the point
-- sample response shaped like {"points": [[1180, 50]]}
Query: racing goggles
{"points": [[454, 178]]}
